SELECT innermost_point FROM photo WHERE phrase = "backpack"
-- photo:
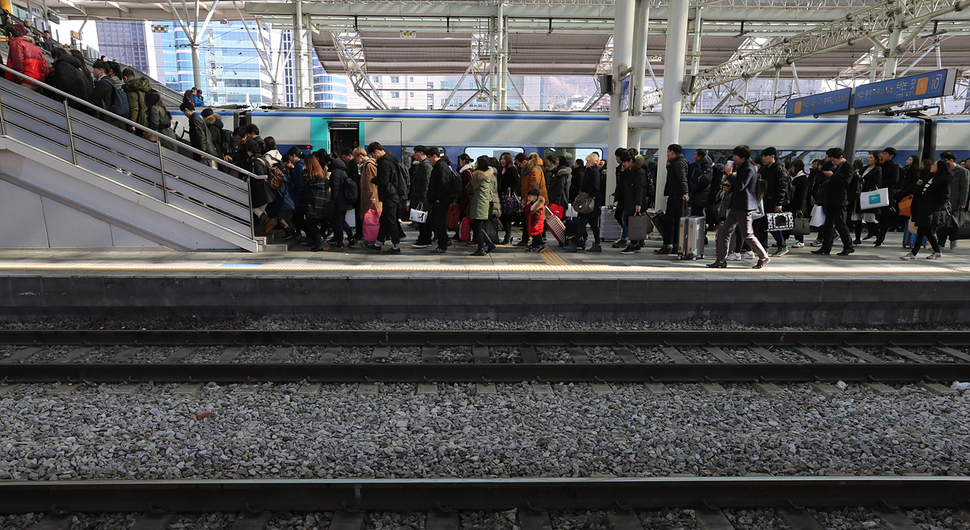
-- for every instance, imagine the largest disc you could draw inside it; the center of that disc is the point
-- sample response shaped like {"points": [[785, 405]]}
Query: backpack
{"points": [[119, 105], [455, 184], [402, 181], [276, 176], [349, 190]]}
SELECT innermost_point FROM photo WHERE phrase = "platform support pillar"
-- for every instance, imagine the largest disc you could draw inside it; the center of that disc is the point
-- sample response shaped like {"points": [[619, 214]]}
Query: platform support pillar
{"points": [[623, 31], [298, 52], [851, 131], [892, 56], [674, 67], [196, 68], [640, 67], [503, 58]]}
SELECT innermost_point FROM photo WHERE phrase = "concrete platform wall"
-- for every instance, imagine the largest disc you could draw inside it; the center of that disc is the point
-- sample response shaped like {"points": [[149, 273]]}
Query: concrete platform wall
{"points": [[751, 301]]}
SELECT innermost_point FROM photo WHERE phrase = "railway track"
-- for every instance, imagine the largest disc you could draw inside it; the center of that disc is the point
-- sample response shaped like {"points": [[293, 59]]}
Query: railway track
{"points": [[442, 499], [631, 356]]}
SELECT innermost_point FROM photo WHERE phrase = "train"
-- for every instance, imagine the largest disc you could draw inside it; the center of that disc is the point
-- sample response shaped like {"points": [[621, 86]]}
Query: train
{"points": [[576, 134]]}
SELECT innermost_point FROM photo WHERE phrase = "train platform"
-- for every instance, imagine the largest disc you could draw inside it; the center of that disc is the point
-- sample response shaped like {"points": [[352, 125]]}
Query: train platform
{"points": [[868, 287]]}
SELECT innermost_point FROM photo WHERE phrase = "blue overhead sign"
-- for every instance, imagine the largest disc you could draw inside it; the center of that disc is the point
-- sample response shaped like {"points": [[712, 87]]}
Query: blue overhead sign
{"points": [[837, 101], [930, 85]]}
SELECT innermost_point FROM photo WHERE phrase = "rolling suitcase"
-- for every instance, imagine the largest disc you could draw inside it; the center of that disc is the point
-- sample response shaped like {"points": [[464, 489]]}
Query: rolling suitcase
{"points": [[692, 236], [610, 229]]}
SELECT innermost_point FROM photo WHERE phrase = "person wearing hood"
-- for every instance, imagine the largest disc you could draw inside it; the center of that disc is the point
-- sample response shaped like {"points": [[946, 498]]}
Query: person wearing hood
{"points": [[27, 59], [66, 76], [340, 206], [562, 176], [213, 123], [386, 182], [136, 88], [533, 178], [699, 177], [159, 118], [480, 198]]}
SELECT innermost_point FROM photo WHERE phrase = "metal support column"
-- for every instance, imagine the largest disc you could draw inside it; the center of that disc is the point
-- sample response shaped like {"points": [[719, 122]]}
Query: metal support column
{"points": [[695, 52], [851, 131], [298, 52], [774, 93], [492, 65], [503, 58], [892, 56], [640, 65], [623, 30], [674, 58]]}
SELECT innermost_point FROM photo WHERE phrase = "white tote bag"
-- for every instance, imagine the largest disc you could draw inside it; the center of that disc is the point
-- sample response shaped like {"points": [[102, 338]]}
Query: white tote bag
{"points": [[418, 216], [351, 219], [818, 216], [874, 199]]}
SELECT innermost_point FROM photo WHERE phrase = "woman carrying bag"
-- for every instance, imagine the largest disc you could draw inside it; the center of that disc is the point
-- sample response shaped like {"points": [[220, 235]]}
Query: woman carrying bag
{"points": [[931, 208]]}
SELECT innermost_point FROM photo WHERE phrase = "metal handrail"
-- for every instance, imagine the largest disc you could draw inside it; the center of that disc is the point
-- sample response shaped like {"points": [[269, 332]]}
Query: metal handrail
{"points": [[158, 142], [126, 121]]}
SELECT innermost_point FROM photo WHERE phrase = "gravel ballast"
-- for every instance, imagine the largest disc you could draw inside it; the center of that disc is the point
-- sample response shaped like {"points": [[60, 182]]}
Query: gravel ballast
{"points": [[338, 433]]}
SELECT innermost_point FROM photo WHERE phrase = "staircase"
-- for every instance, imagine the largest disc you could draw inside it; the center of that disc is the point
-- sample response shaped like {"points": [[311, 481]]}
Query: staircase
{"points": [[70, 180]]}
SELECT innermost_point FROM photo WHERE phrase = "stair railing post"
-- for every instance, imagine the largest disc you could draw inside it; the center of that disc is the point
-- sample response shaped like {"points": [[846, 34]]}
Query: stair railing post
{"points": [[161, 167], [3, 127], [70, 131]]}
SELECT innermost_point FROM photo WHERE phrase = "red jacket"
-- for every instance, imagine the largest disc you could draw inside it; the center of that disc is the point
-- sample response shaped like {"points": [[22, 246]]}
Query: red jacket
{"points": [[537, 217], [27, 59]]}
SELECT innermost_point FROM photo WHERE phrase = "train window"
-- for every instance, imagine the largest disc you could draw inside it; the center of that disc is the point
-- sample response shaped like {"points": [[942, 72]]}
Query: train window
{"points": [[407, 153], [571, 153], [495, 152]]}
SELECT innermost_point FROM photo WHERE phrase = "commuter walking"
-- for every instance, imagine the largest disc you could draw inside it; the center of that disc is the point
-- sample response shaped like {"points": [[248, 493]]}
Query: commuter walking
{"points": [[677, 194], [699, 176], [419, 195], [479, 205], [833, 194], [315, 201], [742, 182], [342, 199], [777, 187], [799, 202], [66, 76], [591, 185], [508, 189], [386, 182], [136, 88], [870, 179], [198, 133], [888, 217], [619, 213], [931, 208], [25, 58], [959, 184]]}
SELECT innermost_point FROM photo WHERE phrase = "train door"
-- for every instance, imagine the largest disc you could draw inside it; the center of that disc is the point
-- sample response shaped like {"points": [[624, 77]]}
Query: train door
{"points": [[344, 135]]}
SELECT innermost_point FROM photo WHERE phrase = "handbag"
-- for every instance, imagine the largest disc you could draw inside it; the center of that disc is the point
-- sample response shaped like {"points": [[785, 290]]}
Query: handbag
{"points": [[780, 221], [492, 226], [638, 227], [906, 206], [959, 225], [418, 216], [874, 199], [818, 216], [584, 203], [571, 212], [351, 218], [801, 226], [372, 225], [511, 203]]}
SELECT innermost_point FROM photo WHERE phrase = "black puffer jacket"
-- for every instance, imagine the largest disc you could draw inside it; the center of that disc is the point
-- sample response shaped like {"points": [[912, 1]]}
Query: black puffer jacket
{"points": [[676, 185], [931, 201], [777, 182], [339, 178], [386, 179], [634, 188], [66, 75], [699, 184], [558, 185]]}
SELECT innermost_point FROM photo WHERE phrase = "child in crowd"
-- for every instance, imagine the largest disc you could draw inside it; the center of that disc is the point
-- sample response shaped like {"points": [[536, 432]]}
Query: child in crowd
{"points": [[536, 208]]}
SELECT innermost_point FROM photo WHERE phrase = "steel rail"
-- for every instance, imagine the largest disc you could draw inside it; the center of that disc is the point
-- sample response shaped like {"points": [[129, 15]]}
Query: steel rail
{"points": [[865, 338], [479, 494], [477, 373]]}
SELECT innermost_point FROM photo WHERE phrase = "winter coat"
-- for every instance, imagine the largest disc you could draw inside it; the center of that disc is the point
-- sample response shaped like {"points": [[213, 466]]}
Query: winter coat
{"points": [[931, 201], [890, 175], [420, 182], [558, 185], [699, 184], [480, 194], [284, 201], [214, 125], [102, 93], [27, 59], [136, 89], [440, 189], [801, 186], [634, 189], [496, 202], [835, 189], [66, 76], [160, 120], [386, 179], [869, 180], [592, 187], [508, 179], [676, 185], [338, 179], [313, 198], [777, 181], [537, 216], [199, 136], [368, 190], [959, 182], [534, 178], [464, 198], [259, 190], [576, 181], [744, 188]]}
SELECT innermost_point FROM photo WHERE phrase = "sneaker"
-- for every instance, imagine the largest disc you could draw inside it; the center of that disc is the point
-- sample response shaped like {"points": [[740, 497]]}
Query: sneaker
{"points": [[372, 247], [595, 248], [490, 247], [798, 244], [420, 245], [541, 247], [935, 255], [393, 250], [733, 256], [780, 252], [630, 249], [748, 254], [439, 251], [620, 243], [816, 243], [479, 252], [953, 244], [907, 256]]}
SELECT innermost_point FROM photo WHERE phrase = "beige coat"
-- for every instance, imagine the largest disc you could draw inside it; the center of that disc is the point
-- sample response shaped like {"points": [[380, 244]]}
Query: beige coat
{"points": [[368, 189]]}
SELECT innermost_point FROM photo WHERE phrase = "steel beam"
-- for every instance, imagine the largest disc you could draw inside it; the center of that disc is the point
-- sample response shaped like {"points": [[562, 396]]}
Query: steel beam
{"points": [[674, 59]]}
